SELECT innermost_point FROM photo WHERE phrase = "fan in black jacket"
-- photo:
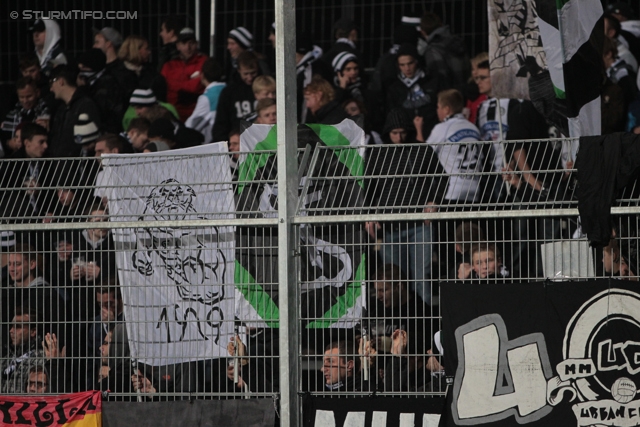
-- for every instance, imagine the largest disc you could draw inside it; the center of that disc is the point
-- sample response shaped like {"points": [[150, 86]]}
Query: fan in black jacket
{"points": [[103, 88], [414, 90], [405, 178], [76, 102], [237, 99]]}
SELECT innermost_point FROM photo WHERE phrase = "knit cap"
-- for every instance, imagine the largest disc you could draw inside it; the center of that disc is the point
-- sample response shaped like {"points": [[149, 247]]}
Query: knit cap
{"points": [[112, 35], [397, 119], [85, 131], [186, 34], [242, 36], [143, 97], [411, 21], [7, 239], [342, 59]]}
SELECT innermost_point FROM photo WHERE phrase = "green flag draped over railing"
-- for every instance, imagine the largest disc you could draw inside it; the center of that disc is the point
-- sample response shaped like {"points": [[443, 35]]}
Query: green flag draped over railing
{"points": [[331, 261]]}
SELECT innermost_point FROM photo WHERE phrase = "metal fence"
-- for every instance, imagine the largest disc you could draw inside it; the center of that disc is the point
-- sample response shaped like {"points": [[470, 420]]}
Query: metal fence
{"points": [[371, 254]]}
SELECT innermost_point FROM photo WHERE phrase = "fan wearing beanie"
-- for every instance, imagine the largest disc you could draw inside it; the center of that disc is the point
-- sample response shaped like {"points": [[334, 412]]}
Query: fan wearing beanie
{"points": [[347, 77], [85, 134], [140, 104], [239, 41], [64, 87], [109, 41]]}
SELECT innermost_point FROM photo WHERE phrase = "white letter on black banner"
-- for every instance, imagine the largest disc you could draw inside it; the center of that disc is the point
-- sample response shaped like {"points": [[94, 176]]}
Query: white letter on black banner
{"points": [[497, 378]]}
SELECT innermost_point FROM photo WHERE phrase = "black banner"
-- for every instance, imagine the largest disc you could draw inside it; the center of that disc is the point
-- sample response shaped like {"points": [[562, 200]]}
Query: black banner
{"points": [[542, 354], [371, 411], [195, 413]]}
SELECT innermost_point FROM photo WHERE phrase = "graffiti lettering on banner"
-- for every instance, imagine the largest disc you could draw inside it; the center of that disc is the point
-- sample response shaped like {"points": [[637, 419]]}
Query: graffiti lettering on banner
{"points": [[502, 374]]}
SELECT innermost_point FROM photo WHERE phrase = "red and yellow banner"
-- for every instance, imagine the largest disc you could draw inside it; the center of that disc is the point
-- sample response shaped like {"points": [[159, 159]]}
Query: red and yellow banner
{"points": [[69, 410]]}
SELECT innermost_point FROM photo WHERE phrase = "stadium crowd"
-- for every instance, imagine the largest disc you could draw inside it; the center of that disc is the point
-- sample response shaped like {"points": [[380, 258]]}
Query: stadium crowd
{"points": [[62, 309]]}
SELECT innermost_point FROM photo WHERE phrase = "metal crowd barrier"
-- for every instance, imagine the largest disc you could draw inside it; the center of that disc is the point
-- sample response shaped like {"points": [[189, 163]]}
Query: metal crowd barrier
{"points": [[162, 297]]}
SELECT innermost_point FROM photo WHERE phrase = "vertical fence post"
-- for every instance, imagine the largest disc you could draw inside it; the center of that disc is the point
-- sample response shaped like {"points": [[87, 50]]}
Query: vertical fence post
{"points": [[196, 27], [212, 31], [287, 202]]}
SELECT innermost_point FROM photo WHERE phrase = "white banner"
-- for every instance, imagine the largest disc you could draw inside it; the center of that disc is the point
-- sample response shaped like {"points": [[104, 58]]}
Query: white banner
{"points": [[515, 50], [176, 281]]}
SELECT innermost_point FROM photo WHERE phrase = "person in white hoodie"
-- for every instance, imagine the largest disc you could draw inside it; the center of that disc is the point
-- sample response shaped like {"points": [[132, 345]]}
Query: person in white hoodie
{"points": [[46, 37], [455, 139]]}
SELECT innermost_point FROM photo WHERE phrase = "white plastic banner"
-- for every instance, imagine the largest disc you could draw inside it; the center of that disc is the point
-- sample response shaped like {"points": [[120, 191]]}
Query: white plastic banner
{"points": [[176, 279]]}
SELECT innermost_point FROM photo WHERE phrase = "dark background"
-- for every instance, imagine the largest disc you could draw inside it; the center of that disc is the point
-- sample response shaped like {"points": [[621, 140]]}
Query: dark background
{"points": [[375, 19]]}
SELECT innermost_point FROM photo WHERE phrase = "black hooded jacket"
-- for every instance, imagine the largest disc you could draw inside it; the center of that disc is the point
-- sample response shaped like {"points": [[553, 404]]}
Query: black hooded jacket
{"points": [[62, 142]]}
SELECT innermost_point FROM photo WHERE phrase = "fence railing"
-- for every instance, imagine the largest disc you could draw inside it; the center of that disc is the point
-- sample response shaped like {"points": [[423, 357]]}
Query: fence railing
{"points": [[161, 290]]}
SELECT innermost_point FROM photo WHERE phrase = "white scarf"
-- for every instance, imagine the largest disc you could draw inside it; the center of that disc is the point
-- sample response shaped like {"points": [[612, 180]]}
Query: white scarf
{"points": [[133, 67], [350, 86], [17, 361], [306, 60], [334, 387], [410, 82], [347, 41], [92, 76]]}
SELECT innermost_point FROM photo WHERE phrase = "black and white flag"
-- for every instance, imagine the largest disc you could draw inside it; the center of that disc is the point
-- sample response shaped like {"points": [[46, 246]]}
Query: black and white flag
{"points": [[177, 279]]}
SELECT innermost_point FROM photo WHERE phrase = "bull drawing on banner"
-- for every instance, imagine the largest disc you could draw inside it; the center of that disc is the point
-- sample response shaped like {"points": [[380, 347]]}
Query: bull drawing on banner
{"points": [[198, 271], [179, 249]]}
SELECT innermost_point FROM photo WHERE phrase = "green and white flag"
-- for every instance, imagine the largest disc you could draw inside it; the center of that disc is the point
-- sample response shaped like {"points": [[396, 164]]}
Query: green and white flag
{"points": [[332, 262]]}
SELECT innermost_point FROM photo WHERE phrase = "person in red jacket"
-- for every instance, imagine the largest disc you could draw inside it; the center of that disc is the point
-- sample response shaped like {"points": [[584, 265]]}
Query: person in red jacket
{"points": [[183, 74]]}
